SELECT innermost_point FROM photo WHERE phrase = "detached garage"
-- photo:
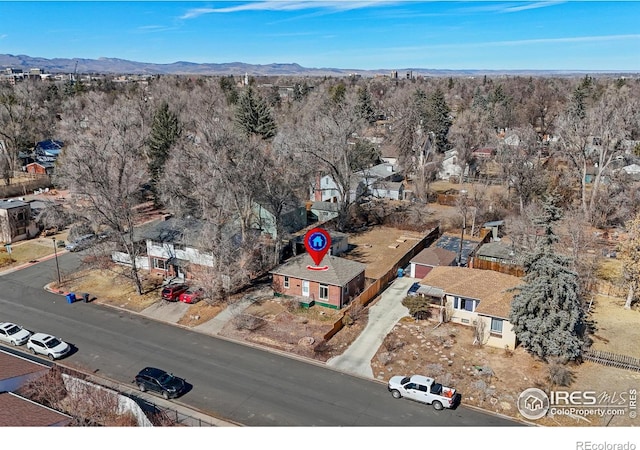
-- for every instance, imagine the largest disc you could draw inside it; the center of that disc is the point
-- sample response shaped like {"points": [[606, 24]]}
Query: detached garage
{"points": [[431, 257]]}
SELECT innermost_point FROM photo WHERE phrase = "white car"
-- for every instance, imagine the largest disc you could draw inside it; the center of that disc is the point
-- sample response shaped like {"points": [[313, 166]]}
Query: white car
{"points": [[50, 346], [13, 334]]}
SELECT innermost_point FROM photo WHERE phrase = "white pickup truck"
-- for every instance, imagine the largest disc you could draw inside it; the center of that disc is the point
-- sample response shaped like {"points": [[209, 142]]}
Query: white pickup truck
{"points": [[423, 389]]}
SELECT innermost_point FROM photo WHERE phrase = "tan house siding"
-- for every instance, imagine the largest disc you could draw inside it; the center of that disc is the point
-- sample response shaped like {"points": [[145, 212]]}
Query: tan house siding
{"points": [[489, 292]]}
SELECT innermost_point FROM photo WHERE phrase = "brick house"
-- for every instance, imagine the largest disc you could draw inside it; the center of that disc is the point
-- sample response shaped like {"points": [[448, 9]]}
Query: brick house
{"points": [[333, 288]]}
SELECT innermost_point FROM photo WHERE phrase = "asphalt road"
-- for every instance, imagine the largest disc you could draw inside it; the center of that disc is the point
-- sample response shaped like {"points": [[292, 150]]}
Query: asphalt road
{"points": [[238, 382]]}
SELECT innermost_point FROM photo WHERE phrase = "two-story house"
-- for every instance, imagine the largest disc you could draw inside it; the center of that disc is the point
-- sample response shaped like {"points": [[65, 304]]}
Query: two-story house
{"points": [[172, 247]]}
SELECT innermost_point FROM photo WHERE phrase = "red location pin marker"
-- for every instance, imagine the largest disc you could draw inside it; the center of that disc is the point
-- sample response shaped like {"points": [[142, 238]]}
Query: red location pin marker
{"points": [[317, 242]]}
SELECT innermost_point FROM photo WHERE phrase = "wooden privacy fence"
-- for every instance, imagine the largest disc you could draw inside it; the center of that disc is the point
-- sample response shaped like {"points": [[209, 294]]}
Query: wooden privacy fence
{"points": [[613, 360], [381, 283], [509, 269]]}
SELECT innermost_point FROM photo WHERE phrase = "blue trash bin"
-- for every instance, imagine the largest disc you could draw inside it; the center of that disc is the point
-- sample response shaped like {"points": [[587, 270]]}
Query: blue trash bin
{"points": [[71, 297], [400, 273]]}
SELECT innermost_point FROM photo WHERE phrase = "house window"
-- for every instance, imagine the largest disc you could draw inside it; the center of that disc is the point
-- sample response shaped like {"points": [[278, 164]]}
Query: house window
{"points": [[21, 215], [177, 246], [324, 292], [286, 282], [159, 264], [465, 304], [20, 231], [496, 325]]}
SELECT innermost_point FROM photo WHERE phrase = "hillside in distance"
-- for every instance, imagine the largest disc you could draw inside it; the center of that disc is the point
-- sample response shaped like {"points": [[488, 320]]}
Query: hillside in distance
{"points": [[122, 66]]}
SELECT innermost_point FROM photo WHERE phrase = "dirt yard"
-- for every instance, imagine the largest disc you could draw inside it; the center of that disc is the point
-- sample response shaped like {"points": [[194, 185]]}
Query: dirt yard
{"points": [[493, 379], [380, 248]]}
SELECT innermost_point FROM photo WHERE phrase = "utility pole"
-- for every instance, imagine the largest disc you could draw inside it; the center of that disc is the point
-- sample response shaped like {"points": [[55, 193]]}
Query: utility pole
{"points": [[55, 252], [463, 209]]}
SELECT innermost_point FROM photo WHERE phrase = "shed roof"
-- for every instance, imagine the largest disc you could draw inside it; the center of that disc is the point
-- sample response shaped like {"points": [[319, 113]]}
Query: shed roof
{"points": [[499, 251], [340, 270], [434, 256]]}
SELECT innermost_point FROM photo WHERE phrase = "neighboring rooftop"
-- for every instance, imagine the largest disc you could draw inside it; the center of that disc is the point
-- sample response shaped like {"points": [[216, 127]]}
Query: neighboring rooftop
{"points": [[16, 411], [9, 204], [434, 256], [12, 366]]}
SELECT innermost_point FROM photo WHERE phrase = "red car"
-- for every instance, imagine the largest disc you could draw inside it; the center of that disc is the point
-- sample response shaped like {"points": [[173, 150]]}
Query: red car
{"points": [[192, 295], [173, 291]]}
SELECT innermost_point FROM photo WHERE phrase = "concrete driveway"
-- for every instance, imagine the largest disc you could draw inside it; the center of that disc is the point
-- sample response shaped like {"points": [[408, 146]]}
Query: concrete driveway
{"points": [[166, 311], [383, 316]]}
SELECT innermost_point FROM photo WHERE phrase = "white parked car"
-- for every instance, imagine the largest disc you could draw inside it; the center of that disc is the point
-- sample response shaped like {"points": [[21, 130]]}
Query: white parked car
{"points": [[13, 334], [50, 346]]}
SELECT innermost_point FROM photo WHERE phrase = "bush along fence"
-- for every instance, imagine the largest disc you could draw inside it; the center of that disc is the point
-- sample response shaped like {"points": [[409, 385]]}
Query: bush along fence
{"points": [[612, 360]]}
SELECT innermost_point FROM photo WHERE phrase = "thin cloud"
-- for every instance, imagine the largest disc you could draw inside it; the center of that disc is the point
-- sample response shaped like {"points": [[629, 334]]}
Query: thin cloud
{"points": [[278, 5], [614, 37], [2, 36], [535, 5], [511, 7], [618, 37]]}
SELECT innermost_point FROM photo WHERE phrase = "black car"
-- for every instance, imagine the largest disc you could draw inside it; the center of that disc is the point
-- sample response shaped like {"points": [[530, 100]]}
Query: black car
{"points": [[413, 290], [157, 380]]}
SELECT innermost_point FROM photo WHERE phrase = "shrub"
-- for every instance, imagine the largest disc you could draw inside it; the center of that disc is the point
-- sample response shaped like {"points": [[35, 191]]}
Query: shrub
{"points": [[392, 343], [559, 374], [248, 322], [322, 347]]}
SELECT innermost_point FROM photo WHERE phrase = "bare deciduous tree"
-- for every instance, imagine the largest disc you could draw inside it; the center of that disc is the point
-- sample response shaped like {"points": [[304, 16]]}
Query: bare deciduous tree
{"points": [[104, 167]]}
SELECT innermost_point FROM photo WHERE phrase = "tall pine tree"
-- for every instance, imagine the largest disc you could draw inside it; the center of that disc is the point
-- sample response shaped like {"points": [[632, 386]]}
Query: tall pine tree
{"points": [[253, 115], [547, 313], [165, 132], [438, 120]]}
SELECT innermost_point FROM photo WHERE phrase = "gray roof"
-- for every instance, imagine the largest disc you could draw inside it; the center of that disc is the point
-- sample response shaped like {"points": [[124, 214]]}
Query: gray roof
{"points": [[383, 170], [170, 230], [325, 206], [499, 251], [340, 270], [452, 243], [9, 204]]}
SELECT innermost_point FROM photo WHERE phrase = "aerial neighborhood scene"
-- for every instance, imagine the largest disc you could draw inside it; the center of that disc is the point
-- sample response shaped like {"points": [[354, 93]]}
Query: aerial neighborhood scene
{"points": [[250, 245]]}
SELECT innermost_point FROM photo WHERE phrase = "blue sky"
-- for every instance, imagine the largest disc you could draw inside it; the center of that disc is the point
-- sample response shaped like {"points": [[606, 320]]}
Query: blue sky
{"points": [[375, 34]]}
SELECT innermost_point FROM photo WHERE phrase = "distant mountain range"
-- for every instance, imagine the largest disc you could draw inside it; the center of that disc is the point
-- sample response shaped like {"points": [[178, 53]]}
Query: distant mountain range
{"points": [[123, 66]]}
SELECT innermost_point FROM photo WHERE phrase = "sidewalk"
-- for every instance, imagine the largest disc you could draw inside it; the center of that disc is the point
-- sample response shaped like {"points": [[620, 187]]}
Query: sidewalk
{"points": [[383, 316]]}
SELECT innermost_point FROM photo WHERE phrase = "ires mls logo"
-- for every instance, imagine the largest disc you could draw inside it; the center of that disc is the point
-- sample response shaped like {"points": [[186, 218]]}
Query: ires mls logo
{"points": [[534, 403]]}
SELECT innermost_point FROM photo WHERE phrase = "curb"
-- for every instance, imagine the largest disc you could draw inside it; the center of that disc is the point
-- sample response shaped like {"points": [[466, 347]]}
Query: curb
{"points": [[284, 354]]}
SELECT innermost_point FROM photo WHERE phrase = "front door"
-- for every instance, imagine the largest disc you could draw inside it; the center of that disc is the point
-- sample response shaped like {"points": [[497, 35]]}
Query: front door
{"points": [[305, 288]]}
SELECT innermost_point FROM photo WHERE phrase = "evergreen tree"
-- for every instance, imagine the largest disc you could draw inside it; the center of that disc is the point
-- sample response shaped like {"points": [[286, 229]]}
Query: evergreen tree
{"points": [[253, 115], [364, 108], [337, 93], [547, 314], [228, 86], [438, 119], [165, 132]]}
